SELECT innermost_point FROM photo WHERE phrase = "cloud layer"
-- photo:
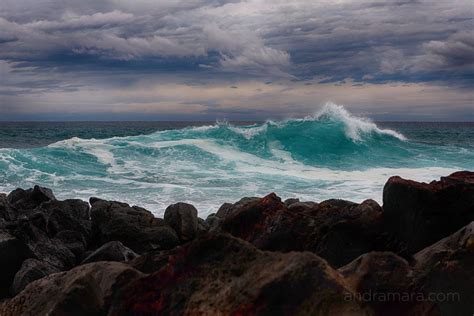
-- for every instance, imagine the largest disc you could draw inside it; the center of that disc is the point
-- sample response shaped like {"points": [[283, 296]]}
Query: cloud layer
{"points": [[50, 47]]}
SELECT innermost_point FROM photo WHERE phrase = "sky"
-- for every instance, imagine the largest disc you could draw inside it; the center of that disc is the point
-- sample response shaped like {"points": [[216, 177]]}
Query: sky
{"points": [[402, 60]]}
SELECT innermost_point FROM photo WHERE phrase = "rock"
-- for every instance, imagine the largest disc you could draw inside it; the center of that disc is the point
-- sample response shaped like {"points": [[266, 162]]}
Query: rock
{"points": [[290, 201], [67, 215], [84, 290], [446, 269], [152, 261], [135, 227], [31, 198], [111, 251], [31, 270], [7, 212], [74, 241], [337, 230], [53, 251], [222, 275], [228, 208], [420, 214], [202, 226], [12, 253], [182, 217], [302, 206], [214, 222], [385, 275]]}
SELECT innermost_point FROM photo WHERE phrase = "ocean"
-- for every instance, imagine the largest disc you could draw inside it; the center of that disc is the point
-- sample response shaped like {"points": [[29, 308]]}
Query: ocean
{"points": [[331, 154]]}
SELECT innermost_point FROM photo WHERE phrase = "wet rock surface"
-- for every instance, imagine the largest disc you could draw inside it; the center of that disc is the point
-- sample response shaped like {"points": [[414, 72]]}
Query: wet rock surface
{"points": [[258, 256]]}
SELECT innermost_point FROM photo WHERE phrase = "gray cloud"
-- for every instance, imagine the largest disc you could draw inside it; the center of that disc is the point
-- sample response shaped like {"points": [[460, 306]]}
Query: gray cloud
{"points": [[54, 45]]}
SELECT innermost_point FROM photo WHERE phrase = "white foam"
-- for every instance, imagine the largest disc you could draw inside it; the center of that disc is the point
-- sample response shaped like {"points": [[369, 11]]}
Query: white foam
{"points": [[355, 126]]}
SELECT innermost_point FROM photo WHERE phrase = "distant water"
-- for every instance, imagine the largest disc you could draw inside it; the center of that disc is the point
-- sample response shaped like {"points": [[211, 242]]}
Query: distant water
{"points": [[153, 164]]}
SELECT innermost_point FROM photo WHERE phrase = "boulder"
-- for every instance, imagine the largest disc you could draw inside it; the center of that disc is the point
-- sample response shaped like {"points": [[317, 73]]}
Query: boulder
{"points": [[383, 280], [337, 230], [222, 275], [31, 270], [111, 251], [74, 241], [135, 227], [445, 270], [31, 231], [84, 290], [31, 198], [420, 214], [12, 253], [182, 217], [67, 215]]}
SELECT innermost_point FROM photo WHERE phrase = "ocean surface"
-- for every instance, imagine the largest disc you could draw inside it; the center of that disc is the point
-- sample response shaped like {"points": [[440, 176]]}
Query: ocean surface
{"points": [[331, 154]]}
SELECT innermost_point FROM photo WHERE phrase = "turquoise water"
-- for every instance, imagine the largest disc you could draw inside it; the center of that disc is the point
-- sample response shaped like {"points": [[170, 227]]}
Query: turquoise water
{"points": [[329, 155]]}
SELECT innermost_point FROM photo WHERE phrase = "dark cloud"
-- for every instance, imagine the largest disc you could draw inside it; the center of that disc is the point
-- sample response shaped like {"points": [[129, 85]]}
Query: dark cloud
{"points": [[51, 45]]}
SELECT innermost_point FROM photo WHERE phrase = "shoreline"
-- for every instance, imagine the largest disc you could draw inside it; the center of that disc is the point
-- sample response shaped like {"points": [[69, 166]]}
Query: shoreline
{"points": [[255, 256]]}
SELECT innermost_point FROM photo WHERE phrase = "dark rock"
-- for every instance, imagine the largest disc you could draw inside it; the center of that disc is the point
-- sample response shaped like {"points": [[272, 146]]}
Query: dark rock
{"points": [[202, 226], [12, 253], [217, 275], [74, 241], [213, 221], [31, 231], [446, 268], [337, 230], [135, 227], [223, 210], [31, 198], [7, 212], [386, 275], [152, 261], [302, 206], [67, 215], [111, 251], [420, 214], [182, 217], [290, 201], [31, 270], [84, 290]]}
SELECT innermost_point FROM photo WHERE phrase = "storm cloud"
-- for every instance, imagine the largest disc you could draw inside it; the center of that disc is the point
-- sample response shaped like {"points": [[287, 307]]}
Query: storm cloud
{"points": [[51, 49]]}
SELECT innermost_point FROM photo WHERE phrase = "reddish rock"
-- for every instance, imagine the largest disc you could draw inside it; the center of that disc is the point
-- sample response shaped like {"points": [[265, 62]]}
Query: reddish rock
{"points": [[420, 214], [337, 230], [222, 275]]}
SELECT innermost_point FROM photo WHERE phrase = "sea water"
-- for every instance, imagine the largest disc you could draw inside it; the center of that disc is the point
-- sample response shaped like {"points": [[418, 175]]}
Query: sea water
{"points": [[331, 154]]}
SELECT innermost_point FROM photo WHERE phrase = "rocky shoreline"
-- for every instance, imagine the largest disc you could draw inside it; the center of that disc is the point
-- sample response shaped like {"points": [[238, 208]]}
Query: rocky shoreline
{"points": [[260, 256]]}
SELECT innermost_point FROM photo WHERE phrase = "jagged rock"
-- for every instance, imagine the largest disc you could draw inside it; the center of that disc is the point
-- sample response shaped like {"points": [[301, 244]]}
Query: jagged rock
{"points": [[111, 251], [446, 268], [84, 290], [12, 253], [302, 206], [31, 270], [214, 222], [7, 212], [337, 230], [67, 215], [290, 201], [135, 227], [31, 198], [228, 208], [31, 230], [420, 214], [202, 226], [222, 275], [182, 217], [74, 241]]}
